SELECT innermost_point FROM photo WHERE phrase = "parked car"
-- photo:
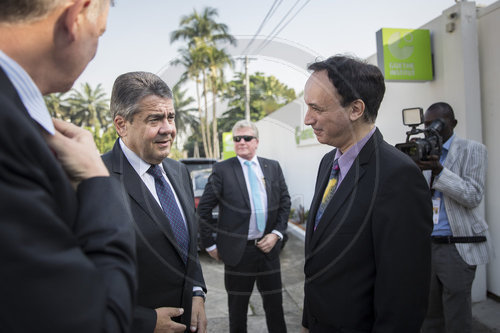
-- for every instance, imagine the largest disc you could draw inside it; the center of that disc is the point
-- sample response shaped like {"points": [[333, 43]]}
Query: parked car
{"points": [[200, 169]]}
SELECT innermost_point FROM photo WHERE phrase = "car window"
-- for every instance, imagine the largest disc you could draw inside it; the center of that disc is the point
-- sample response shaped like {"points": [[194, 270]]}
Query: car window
{"points": [[200, 179]]}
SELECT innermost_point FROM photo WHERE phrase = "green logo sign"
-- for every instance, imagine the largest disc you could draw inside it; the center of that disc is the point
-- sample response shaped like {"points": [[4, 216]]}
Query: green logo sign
{"points": [[227, 145], [405, 54]]}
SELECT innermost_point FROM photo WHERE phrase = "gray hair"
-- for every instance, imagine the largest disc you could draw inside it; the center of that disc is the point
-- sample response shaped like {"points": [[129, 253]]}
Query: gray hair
{"points": [[17, 11], [246, 124], [130, 88]]}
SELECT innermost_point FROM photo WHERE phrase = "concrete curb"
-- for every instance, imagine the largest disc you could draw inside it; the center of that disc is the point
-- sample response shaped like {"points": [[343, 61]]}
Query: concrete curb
{"points": [[297, 231]]}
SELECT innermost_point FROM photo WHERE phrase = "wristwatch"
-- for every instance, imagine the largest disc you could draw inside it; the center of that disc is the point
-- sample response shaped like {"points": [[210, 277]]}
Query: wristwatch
{"points": [[200, 293]]}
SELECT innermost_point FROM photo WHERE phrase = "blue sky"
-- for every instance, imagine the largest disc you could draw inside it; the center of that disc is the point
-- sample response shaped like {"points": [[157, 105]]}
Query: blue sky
{"points": [[138, 33]]}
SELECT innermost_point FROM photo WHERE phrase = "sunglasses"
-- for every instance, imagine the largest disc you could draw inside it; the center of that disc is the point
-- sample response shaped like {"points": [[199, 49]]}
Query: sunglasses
{"points": [[247, 138]]}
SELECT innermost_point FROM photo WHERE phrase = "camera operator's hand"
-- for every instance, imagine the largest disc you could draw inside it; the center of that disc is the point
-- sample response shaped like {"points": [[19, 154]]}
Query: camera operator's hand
{"points": [[431, 164]]}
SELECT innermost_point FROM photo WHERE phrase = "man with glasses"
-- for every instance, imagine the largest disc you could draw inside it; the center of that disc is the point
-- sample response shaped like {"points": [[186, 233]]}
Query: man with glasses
{"points": [[253, 212]]}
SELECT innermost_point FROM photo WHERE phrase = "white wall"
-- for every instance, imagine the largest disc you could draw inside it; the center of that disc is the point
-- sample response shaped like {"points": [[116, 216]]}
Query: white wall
{"points": [[489, 60]]}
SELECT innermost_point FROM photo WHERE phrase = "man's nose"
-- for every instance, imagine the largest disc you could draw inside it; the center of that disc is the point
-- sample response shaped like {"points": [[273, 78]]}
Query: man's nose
{"points": [[308, 119], [166, 126]]}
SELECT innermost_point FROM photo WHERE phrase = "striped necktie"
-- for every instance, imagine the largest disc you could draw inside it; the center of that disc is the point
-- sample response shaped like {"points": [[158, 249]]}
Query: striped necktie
{"points": [[329, 191], [171, 210]]}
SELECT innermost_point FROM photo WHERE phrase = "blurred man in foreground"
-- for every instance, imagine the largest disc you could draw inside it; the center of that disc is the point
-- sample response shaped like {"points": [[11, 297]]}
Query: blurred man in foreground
{"points": [[66, 240]]}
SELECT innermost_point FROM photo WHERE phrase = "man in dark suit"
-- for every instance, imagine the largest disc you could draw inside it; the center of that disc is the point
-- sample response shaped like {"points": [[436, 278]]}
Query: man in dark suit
{"points": [[367, 249], [162, 202], [66, 239], [253, 213]]}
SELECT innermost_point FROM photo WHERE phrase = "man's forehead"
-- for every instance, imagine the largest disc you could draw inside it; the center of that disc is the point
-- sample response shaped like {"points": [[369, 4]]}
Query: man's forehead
{"points": [[158, 103]]}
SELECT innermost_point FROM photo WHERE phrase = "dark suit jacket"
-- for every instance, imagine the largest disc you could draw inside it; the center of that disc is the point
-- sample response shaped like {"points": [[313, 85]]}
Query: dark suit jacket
{"points": [[367, 265], [66, 256], [226, 187], [164, 279]]}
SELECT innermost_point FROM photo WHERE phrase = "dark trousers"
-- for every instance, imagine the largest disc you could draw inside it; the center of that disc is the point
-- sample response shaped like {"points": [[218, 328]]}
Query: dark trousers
{"points": [[239, 281], [450, 308]]}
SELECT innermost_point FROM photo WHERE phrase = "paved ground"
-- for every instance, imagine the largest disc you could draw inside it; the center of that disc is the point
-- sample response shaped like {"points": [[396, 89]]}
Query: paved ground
{"points": [[486, 314]]}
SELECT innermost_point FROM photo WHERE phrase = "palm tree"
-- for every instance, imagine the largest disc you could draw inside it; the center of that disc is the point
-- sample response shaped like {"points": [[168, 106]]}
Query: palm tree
{"points": [[202, 33], [90, 107], [184, 118], [56, 106], [202, 26], [192, 60], [218, 60]]}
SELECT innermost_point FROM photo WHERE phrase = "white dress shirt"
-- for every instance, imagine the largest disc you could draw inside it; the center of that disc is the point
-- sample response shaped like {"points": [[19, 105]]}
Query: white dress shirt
{"points": [[28, 92]]}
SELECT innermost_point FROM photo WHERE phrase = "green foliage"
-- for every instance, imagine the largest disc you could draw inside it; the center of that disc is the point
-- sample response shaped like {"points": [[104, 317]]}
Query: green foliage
{"points": [[88, 108], [267, 94], [185, 116], [104, 140], [204, 61], [175, 154]]}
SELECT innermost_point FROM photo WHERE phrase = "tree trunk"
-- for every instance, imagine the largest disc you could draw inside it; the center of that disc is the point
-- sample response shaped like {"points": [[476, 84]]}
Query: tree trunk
{"points": [[215, 136], [208, 153], [202, 123]]}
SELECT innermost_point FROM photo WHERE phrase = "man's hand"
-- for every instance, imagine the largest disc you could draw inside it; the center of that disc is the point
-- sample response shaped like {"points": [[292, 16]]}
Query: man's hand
{"points": [[76, 150], [267, 242], [164, 322], [198, 316], [431, 164], [214, 254], [304, 330]]}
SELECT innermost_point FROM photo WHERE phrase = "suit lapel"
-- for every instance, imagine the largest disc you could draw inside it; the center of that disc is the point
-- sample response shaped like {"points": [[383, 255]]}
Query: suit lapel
{"points": [[455, 150], [266, 171], [240, 178], [345, 193], [138, 191], [323, 177], [175, 177]]}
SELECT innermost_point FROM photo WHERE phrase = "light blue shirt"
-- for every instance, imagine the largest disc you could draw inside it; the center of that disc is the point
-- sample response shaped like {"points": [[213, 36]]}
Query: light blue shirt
{"points": [[28, 92], [442, 228], [253, 231]]}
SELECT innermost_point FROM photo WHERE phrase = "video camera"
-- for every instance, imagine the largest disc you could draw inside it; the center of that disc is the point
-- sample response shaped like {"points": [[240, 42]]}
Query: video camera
{"points": [[419, 149]]}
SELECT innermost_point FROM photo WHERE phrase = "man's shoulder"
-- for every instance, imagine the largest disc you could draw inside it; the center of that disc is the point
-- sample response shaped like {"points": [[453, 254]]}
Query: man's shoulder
{"points": [[108, 156], [175, 166], [226, 163], [467, 143]]}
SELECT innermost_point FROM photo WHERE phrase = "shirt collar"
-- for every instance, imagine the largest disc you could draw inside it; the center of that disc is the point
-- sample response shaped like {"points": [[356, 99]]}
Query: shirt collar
{"points": [[254, 160], [140, 166], [28, 92], [448, 142], [345, 160]]}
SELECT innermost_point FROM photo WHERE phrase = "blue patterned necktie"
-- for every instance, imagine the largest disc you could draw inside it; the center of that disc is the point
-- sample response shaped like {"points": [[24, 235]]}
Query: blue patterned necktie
{"points": [[260, 215], [329, 192], [171, 210]]}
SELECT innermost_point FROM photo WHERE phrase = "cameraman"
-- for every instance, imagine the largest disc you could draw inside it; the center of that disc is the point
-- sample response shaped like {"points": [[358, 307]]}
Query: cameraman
{"points": [[459, 236]]}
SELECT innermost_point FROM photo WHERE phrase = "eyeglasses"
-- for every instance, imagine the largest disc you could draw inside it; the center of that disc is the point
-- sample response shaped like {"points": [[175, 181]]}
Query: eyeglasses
{"points": [[247, 138]]}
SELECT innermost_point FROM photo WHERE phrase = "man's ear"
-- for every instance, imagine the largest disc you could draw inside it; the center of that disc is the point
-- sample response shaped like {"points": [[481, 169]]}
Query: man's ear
{"points": [[357, 109], [120, 126], [73, 16]]}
